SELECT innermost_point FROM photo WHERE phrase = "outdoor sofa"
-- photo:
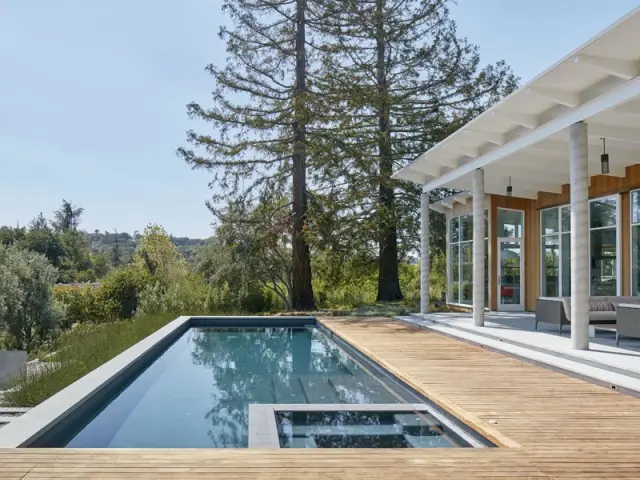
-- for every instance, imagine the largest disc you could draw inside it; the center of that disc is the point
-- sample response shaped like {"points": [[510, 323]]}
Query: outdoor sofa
{"points": [[627, 321], [602, 311]]}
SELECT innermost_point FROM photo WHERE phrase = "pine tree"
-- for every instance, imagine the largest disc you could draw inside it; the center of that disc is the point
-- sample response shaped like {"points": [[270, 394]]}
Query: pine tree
{"points": [[67, 217], [260, 118], [397, 80]]}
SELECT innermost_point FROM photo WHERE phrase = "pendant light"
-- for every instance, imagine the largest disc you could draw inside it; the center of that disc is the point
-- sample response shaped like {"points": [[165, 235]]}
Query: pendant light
{"points": [[604, 158], [509, 188]]}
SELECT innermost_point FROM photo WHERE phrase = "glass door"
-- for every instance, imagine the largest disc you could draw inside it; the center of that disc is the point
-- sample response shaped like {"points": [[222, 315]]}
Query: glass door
{"points": [[510, 274]]}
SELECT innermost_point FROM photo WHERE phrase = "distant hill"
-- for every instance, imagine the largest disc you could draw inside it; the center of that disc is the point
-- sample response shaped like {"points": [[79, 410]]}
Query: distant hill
{"points": [[104, 241]]}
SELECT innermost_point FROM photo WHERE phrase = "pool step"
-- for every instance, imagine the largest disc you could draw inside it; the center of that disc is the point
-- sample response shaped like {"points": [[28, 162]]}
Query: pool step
{"points": [[361, 390], [288, 392], [318, 389]]}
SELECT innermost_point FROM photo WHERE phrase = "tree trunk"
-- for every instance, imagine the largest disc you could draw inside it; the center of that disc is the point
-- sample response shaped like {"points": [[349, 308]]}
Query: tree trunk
{"points": [[302, 287], [388, 278]]}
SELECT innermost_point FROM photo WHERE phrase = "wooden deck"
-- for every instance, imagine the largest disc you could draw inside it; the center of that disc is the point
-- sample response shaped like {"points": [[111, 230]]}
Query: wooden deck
{"points": [[552, 426]]}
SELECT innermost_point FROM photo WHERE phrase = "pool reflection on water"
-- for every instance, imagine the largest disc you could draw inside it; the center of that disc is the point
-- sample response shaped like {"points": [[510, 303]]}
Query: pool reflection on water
{"points": [[197, 393]]}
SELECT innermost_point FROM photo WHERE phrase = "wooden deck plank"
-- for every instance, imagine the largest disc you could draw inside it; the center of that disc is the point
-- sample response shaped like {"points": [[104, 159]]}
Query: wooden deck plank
{"points": [[530, 405], [557, 427]]}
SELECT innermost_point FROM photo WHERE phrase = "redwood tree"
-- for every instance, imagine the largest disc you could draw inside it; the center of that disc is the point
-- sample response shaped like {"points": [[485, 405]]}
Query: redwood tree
{"points": [[396, 79], [259, 118]]}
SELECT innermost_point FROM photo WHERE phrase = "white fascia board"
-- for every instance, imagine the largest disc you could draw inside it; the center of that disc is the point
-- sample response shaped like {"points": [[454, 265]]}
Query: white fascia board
{"points": [[619, 96]]}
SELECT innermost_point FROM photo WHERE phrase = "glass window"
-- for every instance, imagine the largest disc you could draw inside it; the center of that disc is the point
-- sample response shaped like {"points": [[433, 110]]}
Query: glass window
{"points": [[460, 260], [565, 267], [603, 212], [635, 243], [454, 279], [454, 230], [549, 221], [566, 219], [466, 255], [551, 266], [603, 262], [510, 223], [486, 226], [466, 227], [635, 260], [635, 207], [486, 270], [603, 255]]}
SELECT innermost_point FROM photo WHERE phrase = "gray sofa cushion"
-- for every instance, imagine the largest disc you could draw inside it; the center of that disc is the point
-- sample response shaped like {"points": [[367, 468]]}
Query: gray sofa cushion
{"points": [[606, 316]]}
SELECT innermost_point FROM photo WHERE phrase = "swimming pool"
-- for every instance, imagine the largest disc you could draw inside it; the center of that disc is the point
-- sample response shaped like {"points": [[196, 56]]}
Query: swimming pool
{"points": [[268, 387]]}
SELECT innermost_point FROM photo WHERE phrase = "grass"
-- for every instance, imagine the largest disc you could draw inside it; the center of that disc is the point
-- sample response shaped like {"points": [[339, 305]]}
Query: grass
{"points": [[80, 351]]}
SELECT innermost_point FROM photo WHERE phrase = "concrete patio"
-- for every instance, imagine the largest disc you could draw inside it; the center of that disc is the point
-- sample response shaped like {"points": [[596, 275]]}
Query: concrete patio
{"points": [[516, 330]]}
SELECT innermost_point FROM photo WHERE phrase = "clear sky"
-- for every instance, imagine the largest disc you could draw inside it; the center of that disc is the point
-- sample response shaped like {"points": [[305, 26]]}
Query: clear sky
{"points": [[93, 95]]}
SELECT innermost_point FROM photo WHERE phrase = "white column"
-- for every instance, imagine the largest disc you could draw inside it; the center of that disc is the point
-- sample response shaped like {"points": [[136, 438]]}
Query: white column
{"points": [[424, 252], [580, 276], [478, 247]]}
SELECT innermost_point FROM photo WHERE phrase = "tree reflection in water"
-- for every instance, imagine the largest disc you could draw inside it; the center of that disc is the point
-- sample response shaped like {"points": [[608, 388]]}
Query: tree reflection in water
{"points": [[247, 364]]}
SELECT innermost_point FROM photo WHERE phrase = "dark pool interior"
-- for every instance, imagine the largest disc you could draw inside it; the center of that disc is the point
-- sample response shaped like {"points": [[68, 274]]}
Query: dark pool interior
{"points": [[195, 393], [350, 429]]}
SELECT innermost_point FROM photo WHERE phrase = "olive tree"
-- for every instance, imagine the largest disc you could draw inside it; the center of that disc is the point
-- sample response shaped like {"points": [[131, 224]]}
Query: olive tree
{"points": [[27, 314]]}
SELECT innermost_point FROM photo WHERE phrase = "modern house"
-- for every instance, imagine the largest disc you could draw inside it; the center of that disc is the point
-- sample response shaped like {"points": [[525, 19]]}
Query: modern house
{"points": [[550, 182]]}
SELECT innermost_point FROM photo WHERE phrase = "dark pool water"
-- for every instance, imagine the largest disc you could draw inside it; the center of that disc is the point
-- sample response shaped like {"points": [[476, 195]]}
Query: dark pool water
{"points": [[197, 393]]}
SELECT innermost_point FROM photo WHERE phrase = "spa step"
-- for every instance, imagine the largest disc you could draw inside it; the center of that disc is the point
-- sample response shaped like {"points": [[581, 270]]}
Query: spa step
{"points": [[302, 442], [340, 430], [436, 441], [415, 420], [361, 390]]}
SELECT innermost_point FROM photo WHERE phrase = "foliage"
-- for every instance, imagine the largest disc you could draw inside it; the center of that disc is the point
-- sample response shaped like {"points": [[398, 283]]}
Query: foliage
{"points": [[158, 256], [254, 246], [67, 217], [100, 264], [261, 117], [27, 314], [396, 80], [85, 304], [437, 276], [122, 289], [234, 287], [186, 296], [80, 351]]}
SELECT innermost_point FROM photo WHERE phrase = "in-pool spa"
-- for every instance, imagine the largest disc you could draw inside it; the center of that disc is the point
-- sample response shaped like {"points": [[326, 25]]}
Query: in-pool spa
{"points": [[305, 390]]}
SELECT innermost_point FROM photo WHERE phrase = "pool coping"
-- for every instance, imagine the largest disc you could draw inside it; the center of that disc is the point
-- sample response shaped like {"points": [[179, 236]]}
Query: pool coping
{"points": [[40, 421]]}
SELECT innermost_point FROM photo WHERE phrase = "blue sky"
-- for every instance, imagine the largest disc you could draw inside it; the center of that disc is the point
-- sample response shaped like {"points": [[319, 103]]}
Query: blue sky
{"points": [[93, 94]]}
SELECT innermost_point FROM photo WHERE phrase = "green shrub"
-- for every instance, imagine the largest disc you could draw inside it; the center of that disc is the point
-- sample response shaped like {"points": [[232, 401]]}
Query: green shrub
{"points": [[438, 276], [28, 317], [123, 288], [192, 293], [79, 351], [85, 304], [255, 302], [184, 296]]}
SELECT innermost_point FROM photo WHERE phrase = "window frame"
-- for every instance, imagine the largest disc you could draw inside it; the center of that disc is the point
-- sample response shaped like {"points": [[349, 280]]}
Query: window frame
{"points": [[631, 225], [460, 243], [560, 232]]}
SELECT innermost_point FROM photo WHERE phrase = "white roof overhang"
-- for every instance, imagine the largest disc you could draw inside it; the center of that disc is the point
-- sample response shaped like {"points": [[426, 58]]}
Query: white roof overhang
{"points": [[449, 202], [524, 137]]}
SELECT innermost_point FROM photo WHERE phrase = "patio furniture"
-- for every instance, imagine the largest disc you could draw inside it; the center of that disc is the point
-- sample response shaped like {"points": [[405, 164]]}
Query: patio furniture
{"points": [[557, 310], [628, 321]]}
